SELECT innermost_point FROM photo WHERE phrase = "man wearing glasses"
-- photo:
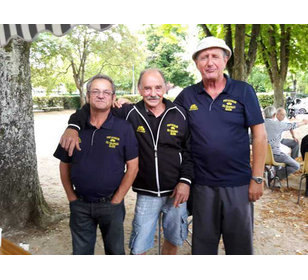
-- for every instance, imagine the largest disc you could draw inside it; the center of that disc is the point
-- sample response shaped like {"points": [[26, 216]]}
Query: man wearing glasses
{"points": [[93, 177]]}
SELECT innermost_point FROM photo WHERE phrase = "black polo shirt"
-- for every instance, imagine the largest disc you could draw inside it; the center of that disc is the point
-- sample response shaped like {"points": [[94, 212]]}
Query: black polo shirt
{"points": [[219, 132], [97, 170]]}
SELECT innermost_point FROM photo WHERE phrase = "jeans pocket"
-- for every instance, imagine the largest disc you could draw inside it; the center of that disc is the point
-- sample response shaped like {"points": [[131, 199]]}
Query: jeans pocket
{"points": [[184, 227], [74, 201]]}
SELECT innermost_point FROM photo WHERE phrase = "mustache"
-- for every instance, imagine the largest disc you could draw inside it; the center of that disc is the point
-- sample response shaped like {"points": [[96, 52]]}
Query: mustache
{"points": [[152, 97]]}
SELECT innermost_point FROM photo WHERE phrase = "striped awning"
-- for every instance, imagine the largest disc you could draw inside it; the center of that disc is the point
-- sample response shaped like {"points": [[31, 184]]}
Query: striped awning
{"points": [[29, 31]]}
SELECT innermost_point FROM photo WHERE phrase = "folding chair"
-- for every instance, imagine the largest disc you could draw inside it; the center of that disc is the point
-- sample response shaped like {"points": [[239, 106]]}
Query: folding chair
{"points": [[305, 174], [271, 162]]}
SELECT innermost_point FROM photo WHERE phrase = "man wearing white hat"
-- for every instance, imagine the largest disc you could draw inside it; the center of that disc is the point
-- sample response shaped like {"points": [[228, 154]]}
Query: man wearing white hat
{"points": [[220, 111]]}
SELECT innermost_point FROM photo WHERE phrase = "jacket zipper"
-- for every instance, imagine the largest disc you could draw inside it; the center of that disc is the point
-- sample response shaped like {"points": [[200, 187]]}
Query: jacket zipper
{"points": [[155, 144]]}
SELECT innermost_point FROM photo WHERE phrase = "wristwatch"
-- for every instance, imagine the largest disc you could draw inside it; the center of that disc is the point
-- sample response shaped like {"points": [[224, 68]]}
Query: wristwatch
{"points": [[258, 180]]}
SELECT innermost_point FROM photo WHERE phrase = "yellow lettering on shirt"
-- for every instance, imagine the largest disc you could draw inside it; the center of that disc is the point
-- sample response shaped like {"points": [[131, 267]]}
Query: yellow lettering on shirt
{"points": [[172, 129], [229, 104], [112, 141], [193, 107], [140, 129]]}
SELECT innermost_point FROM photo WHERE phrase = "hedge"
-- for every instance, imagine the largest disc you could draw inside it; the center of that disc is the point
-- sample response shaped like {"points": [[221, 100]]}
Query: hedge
{"points": [[67, 102], [73, 102], [266, 100]]}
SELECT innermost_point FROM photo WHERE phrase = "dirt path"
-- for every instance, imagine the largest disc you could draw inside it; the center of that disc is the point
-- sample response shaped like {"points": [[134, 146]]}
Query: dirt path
{"points": [[281, 226]]}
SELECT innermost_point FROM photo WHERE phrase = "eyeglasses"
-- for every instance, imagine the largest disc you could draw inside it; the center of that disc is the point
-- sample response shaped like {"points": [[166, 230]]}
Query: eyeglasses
{"points": [[106, 93]]}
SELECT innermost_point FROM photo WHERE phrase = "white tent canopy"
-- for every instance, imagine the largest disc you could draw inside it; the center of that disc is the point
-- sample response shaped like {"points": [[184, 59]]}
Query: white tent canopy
{"points": [[29, 31]]}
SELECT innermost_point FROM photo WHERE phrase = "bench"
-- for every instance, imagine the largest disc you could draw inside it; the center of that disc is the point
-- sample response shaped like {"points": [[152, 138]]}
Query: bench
{"points": [[49, 109], [9, 248]]}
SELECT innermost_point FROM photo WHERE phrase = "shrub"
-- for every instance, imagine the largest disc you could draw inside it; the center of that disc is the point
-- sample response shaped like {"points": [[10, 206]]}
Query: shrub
{"points": [[266, 100], [67, 102]]}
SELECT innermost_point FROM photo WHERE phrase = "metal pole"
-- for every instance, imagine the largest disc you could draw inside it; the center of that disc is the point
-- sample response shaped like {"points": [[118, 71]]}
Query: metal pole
{"points": [[159, 233]]}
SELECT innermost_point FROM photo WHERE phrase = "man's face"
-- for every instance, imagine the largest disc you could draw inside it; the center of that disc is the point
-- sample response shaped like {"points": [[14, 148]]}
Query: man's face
{"points": [[211, 63], [281, 115], [152, 88], [100, 96]]}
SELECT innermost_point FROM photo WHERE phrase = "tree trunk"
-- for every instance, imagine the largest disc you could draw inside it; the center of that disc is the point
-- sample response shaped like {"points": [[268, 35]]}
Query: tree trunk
{"points": [[228, 39], [239, 69], [277, 73], [278, 92], [21, 198]]}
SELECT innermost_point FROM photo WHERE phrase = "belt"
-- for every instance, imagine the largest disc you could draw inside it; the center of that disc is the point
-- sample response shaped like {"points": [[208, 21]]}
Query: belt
{"points": [[102, 199]]}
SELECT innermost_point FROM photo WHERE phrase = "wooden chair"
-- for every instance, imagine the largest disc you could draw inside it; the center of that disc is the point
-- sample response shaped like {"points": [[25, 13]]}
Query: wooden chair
{"points": [[9, 248], [271, 162], [305, 174]]}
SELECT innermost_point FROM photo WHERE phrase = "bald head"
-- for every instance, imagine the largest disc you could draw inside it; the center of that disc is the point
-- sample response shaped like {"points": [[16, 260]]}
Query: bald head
{"points": [[150, 70], [281, 114]]}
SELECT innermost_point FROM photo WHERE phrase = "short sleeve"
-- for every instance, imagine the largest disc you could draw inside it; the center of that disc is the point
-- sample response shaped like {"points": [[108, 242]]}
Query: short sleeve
{"points": [[252, 108], [62, 155]]}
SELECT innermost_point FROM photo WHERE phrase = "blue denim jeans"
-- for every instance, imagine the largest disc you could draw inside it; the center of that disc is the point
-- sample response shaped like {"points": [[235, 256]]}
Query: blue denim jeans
{"points": [[147, 212], [84, 219]]}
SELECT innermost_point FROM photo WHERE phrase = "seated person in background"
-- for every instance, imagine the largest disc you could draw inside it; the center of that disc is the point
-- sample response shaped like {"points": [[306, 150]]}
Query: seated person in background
{"points": [[274, 131], [304, 149], [292, 144]]}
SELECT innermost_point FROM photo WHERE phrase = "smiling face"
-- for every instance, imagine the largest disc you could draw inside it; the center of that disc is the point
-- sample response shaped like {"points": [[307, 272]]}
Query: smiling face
{"points": [[101, 96], [211, 63], [152, 88]]}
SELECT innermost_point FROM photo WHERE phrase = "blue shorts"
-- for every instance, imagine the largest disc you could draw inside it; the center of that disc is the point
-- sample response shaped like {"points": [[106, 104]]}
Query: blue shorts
{"points": [[147, 211]]}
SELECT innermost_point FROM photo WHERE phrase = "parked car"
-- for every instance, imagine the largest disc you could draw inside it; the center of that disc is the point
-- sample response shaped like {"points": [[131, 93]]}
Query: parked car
{"points": [[301, 107]]}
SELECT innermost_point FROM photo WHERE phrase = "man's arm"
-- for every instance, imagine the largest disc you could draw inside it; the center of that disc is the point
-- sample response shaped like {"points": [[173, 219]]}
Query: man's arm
{"points": [[259, 147], [69, 140], [65, 173], [293, 136], [127, 181]]}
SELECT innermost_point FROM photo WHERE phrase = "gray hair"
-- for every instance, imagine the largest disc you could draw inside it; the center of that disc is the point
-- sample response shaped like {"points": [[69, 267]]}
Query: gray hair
{"points": [[148, 70], [103, 77], [269, 112]]}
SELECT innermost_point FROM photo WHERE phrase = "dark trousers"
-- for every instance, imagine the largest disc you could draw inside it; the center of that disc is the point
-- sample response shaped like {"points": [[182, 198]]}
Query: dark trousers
{"points": [[222, 211], [84, 219]]}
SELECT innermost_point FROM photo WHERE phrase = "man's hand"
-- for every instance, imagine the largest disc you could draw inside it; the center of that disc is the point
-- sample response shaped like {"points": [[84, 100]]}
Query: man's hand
{"points": [[116, 199], [180, 194], [72, 197], [69, 141], [295, 139], [255, 191], [121, 101]]}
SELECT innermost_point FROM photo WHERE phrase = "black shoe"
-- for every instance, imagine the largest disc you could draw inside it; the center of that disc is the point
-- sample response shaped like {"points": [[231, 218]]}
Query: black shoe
{"points": [[270, 176]]}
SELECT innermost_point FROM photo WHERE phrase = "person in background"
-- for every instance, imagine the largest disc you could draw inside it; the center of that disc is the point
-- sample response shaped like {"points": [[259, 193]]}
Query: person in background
{"points": [[274, 129], [304, 149], [293, 144]]}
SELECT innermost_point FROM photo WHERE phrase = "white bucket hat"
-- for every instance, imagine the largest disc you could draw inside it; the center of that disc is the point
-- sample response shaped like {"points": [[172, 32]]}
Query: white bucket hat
{"points": [[211, 42]]}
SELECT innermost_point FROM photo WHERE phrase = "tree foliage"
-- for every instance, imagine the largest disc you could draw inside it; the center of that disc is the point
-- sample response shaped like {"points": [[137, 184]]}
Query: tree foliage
{"points": [[166, 52], [283, 46], [74, 58], [242, 40]]}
